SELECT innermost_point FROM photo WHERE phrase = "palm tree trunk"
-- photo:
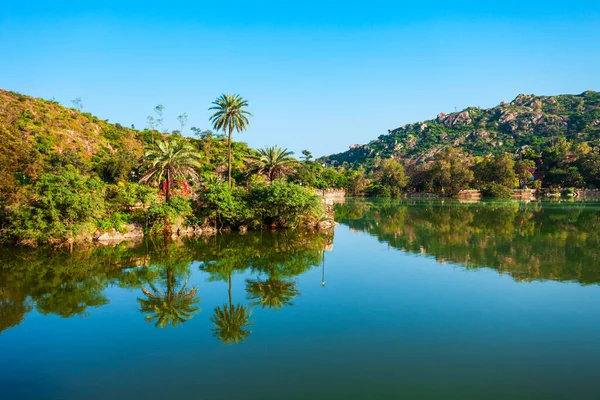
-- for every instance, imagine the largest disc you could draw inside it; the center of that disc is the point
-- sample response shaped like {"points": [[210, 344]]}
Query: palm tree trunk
{"points": [[230, 300], [168, 186], [229, 158]]}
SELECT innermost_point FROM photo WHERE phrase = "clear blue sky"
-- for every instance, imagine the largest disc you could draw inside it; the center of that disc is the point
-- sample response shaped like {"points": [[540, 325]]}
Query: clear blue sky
{"points": [[319, 75]]}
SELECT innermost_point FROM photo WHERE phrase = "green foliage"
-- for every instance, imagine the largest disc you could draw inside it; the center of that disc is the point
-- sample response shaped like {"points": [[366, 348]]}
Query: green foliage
{"points": [[161, 216], [283, 204], [272, 162], [497, 191], [59, 207], [171, 160], [498, 169], [451, 171], [230, 114], [225, 206], [389, 179]]}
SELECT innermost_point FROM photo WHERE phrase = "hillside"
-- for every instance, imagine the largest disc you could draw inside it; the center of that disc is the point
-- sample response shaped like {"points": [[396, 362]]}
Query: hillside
{"points": [[528, 120], [39, 135], [52, 127]]}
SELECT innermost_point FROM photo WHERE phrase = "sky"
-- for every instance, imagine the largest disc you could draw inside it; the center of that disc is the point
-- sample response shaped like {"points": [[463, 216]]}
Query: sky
{"points": [[318, 75]]}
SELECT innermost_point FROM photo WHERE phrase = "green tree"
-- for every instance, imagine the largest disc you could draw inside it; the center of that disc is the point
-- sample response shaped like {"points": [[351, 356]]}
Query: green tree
{"points": [[272, 162], [307, 156], [171, 159], [523, 170], [59, 206], [451, 171], [498, 169], [230, 114], [391, 177]]}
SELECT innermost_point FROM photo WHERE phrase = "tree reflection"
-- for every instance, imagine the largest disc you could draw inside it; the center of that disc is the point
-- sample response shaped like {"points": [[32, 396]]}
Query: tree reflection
{"points": [[271, 293], [71, 284], [231, 322], [526, 240], [169, 307], [12, 312]]}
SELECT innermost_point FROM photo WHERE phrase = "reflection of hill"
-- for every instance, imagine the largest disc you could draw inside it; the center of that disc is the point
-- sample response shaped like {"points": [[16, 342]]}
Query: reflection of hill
{"points": [[71, 284], [528, 241]]}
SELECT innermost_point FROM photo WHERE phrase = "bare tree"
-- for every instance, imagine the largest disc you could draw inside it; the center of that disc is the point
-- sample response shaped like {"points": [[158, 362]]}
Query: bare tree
{"points": [[78, 103], [159, 110], [182, 121]]}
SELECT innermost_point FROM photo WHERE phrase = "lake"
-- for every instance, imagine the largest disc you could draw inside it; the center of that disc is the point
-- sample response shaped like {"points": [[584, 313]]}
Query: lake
{"points": [[426, 299]]}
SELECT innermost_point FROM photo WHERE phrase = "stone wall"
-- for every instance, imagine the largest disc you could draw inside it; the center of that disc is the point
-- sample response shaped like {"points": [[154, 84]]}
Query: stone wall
{"points": [[588, 194], [524, 194], [469, 195], [332, 196]]}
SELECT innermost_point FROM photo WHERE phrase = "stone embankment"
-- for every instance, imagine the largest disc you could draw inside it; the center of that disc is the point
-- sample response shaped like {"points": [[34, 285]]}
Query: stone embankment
{"points": [[588, 194], [332, 196]]}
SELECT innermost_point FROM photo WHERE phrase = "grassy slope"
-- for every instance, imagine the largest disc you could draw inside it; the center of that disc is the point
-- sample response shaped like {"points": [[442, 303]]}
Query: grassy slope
{"points": [[50, 127]]}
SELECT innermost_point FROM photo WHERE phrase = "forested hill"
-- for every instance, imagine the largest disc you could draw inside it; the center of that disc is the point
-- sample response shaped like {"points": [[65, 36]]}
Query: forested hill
{"points": [[528, 121]]}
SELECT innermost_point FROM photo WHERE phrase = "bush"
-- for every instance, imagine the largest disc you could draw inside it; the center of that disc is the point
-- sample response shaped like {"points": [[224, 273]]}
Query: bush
{"points": [[497, 191], [59, 207], [161, 216], [221, 205], [284, 204]]}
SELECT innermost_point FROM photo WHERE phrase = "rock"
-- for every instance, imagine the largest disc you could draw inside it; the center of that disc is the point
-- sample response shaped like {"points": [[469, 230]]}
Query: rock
{"points": [[134, 232], [110, 237], [324, 225]]}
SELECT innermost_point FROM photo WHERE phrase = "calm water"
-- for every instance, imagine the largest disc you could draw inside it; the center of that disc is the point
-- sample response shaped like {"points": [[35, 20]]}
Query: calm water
{"points": [[421, 299]]}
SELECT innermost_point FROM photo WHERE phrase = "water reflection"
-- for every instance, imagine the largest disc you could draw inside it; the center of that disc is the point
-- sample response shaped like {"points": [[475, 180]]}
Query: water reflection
{"points": [[170, 306], [70, 285], [529, 241]]}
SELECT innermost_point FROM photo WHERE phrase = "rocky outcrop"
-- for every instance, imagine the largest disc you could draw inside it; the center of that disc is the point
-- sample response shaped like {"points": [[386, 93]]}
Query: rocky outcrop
{"points": [[132, 233]]}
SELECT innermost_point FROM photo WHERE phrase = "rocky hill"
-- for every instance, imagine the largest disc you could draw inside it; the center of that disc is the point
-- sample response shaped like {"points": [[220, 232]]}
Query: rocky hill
{"points": [[527, 121]]}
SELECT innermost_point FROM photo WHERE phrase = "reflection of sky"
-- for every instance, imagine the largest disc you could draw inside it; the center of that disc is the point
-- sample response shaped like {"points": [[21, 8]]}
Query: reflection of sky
{"points": [[386, 322]]}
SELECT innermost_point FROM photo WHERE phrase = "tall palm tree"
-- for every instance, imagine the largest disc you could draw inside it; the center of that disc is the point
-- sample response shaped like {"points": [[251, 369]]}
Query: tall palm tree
{"points": [[231, 321], [171, 307], [272, 293], [230, 114], [171, 159], [272, 162]]}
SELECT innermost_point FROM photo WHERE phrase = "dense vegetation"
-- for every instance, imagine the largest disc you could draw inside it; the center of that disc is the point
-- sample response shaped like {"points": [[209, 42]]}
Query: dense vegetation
{"points": [[69, 176], [557, 137]]}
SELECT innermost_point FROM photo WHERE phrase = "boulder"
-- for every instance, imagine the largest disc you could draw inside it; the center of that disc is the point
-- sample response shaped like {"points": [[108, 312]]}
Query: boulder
{"points": [[111, 237]]}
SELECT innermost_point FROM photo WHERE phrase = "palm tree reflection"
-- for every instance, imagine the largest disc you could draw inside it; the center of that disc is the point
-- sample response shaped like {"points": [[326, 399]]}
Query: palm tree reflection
{"points": [[171, 307], [231, 322], [272, 293]]}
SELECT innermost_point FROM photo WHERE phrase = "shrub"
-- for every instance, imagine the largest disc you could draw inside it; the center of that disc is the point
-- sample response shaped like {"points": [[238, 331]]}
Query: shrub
{"points": [[284, 204], [221, 205], [59, 207], [497, 191], [160, 216]]}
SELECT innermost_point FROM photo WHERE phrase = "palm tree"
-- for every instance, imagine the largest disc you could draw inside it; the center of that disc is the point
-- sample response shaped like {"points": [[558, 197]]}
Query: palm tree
{"points": [[272, 162], [171, 159], [272, 293], [230, 321], [230, 114], [171, 307]]}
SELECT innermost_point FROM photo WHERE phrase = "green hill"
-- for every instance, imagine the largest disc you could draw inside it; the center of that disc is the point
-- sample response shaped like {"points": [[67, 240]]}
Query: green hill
{"points": [[528, 121]]}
